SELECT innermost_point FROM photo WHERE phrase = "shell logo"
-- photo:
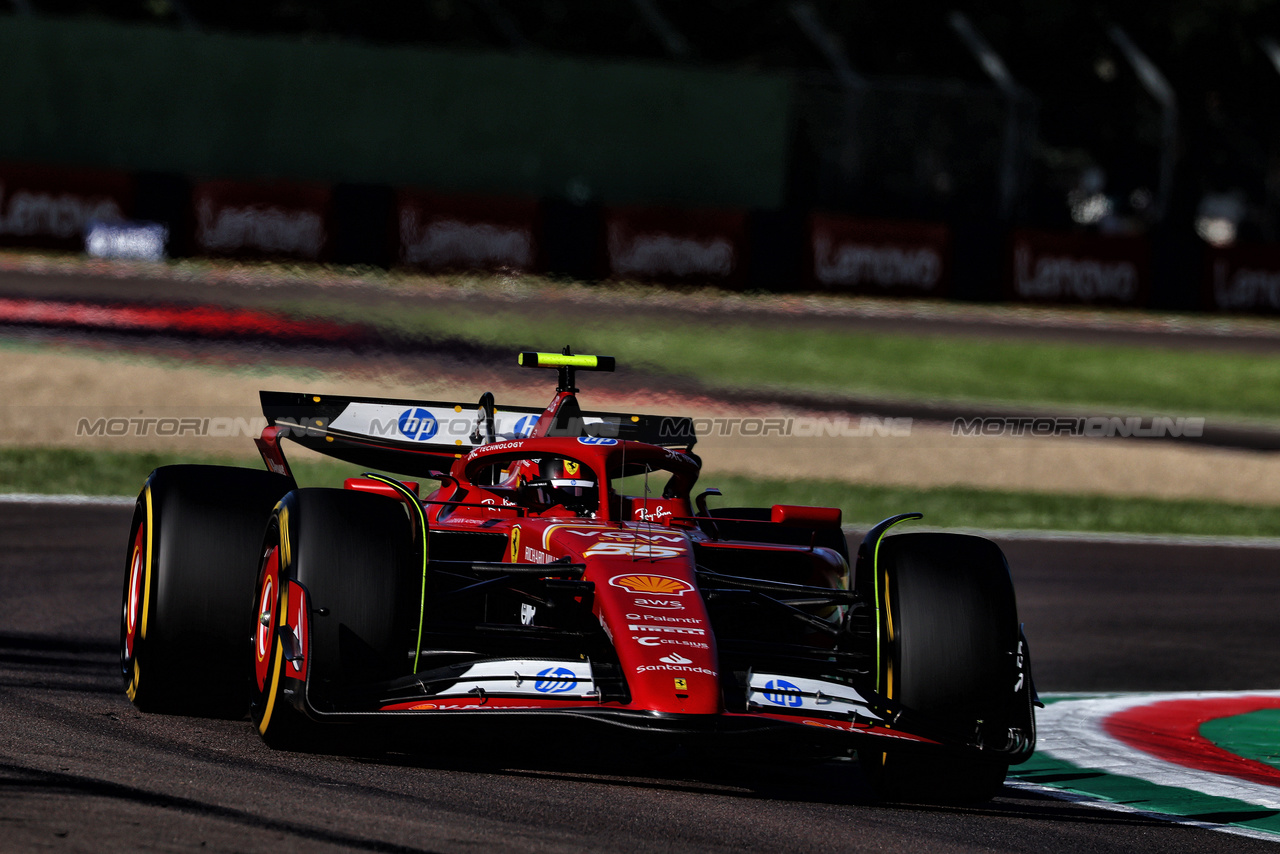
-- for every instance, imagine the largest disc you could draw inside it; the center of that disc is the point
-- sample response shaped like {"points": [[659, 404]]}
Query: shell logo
{"points": [[652, 584]]}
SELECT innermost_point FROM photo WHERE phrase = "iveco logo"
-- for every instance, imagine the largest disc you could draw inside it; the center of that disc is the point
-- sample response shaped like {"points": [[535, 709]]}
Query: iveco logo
{"points": [[417, 424]]}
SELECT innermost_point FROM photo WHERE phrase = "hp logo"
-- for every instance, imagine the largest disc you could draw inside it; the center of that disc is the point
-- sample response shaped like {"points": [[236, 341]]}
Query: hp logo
{"points": [[417, 424], [524, 427], [555, 680], [773, 692]]}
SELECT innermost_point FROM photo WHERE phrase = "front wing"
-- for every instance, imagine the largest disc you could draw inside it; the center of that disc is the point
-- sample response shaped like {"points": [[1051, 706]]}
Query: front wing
{"points": [[778, 707]]}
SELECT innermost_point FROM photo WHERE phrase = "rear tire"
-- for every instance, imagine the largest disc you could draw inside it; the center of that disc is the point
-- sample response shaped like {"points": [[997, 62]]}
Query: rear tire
{"points": [[949, 639], [355, 555], [191, 563]]}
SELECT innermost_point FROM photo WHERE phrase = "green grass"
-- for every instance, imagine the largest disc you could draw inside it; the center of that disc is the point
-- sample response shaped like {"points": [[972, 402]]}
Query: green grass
{"points": [[760, 354], [53, 471], [962, 507], [73, 472]]}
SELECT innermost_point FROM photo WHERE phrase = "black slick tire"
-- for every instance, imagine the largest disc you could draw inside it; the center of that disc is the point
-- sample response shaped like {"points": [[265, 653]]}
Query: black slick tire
{"points": [[949, 637], [190, 567], [355, 556]]}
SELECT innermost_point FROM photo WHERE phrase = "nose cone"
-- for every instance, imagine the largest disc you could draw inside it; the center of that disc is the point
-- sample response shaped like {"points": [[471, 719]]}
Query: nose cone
{"points": [[662, 637], [647, 600]]}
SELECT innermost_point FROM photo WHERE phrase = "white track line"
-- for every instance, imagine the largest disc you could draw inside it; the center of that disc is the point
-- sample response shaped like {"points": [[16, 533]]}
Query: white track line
{"points": [[67, 500]]}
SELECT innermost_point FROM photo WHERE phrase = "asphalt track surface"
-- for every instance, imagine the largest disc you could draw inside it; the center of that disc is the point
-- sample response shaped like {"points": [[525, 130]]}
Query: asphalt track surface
{"points": [[81, 770]]}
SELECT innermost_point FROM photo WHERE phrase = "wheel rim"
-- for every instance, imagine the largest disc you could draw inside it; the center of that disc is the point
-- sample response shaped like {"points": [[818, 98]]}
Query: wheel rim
{"points": [[132, 614], [264, 628]]}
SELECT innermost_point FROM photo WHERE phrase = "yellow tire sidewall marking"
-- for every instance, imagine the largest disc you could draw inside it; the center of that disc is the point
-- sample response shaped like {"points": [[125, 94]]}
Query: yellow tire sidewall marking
{"points": [[146, 582], [132, 690], [282, 606]]}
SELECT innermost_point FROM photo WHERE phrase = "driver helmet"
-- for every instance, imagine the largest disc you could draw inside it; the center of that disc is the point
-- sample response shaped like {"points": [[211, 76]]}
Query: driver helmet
{"points": [[570, 483]]}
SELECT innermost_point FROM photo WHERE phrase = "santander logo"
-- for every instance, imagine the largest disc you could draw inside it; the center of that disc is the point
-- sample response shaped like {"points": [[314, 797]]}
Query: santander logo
{"points": [[676, 658]]}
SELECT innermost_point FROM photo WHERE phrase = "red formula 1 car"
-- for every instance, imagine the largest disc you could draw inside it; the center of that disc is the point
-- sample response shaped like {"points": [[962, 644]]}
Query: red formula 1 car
{"points": [[562, 570]]}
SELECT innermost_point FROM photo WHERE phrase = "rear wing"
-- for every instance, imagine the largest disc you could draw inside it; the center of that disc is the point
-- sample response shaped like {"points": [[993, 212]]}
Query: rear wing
{"points": [[419, 436]]}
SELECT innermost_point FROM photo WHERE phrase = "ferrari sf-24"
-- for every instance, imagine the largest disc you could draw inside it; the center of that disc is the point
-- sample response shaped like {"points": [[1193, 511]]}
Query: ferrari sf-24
{"points": [[561, 568]]}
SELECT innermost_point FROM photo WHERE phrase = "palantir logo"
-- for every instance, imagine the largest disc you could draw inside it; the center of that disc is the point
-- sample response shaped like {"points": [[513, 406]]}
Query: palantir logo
{"points": [[555, 680], [778, 692], [417, 424]]}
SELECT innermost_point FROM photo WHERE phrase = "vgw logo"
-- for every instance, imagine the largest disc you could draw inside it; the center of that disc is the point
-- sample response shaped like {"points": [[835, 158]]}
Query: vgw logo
{"points": [[524, 427], [417, 424], [777, 691], [555, 680]]}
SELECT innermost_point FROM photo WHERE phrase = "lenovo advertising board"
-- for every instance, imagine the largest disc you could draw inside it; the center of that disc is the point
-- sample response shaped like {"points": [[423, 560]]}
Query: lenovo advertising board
{"points": [[665, 244], [466, 233], [865, 256], [1090, 269], [50, 207], [1242, 278], [279, 219]]}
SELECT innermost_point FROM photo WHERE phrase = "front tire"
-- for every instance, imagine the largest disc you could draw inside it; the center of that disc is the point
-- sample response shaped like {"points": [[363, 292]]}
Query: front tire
{"points": [[949, 641], [191, 562], [353, 555]]}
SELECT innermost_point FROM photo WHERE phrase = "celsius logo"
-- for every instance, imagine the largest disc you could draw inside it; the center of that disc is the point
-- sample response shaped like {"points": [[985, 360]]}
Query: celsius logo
{"points": [[676, 658], [417, 424], [556, 680], [524, 427], [780, 692], [596, 440], [659, 641]]}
